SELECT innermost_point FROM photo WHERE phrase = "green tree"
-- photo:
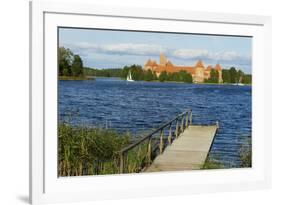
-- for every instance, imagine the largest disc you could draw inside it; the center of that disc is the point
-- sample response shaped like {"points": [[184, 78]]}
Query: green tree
{"points": [[163, 76], [65, 58], [247, 79], [239, 76], [226, 76], [77, 66], [136, 71], [125, 72], [148, 76], [214, 76], [154, 76], [174, 77], [233, 75], [185, 77]]}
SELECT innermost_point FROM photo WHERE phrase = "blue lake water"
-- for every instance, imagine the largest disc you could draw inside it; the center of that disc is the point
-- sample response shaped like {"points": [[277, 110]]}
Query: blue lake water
{"points": [[140, 106]]}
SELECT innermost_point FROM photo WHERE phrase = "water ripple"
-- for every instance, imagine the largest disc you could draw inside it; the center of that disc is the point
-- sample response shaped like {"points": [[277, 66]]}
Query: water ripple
{"points": [[141, 106]]}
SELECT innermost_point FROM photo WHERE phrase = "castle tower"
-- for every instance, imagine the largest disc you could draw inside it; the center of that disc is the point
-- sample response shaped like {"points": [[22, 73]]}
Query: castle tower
{"points": [[199, 72], [163, 59], [219, 69]]}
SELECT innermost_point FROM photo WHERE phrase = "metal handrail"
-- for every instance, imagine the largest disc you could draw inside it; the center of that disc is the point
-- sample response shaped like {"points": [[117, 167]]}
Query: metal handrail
{"points": [[185, 119]]}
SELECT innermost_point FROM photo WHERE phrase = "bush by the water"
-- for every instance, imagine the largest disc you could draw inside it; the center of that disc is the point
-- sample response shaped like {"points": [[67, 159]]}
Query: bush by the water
{"points": [[212, 164], [246, 153], [87, 151]]}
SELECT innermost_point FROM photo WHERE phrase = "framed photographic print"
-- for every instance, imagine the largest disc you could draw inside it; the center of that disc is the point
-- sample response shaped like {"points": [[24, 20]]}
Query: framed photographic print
{"points": [[130, 102]]}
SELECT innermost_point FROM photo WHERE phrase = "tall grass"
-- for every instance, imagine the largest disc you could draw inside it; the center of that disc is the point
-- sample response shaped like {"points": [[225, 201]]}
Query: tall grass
{"points": [[246, 153], [88, 151], [212, 164], [245, 157]]}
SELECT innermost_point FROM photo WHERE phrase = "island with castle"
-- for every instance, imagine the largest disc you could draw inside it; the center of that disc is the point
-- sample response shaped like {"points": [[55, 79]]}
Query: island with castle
{"points": [[199, 72]]}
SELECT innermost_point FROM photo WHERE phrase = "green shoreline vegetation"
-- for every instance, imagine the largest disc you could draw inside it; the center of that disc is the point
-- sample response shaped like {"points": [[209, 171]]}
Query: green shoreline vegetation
{"points": [[76, 78], [95, 151], [71, 68], [229, 76], [245, 154], [88, 151]]}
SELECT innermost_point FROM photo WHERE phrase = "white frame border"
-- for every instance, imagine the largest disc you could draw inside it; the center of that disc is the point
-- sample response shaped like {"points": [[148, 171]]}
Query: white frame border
{"points": [[37, 104]]}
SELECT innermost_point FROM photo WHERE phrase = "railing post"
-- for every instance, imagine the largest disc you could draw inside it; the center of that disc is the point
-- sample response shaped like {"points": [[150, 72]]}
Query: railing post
{"points": [[190, 118], [217, 124], [121, 166], [177, 129], [149, 149], [161, 141], [186, 119], [182, 123], [170, 134]]}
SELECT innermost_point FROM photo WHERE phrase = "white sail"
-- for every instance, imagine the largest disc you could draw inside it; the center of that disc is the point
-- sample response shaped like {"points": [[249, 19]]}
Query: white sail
{"points": [[129, 76], [240, 81]]}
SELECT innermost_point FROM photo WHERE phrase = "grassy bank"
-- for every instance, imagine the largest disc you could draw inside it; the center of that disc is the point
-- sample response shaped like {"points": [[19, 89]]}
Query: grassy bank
{"points": [[95, 151], [88, 151], [212, 164], [76, 78]]}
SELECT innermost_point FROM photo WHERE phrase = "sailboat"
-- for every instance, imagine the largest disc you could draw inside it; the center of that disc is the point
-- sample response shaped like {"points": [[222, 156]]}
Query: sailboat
{"points": [[240, 82], [129, 77]]}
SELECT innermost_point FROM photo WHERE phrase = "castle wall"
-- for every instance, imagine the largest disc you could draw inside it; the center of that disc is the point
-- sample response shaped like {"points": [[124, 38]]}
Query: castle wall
{"points": [[199, 75], [198, 72]]}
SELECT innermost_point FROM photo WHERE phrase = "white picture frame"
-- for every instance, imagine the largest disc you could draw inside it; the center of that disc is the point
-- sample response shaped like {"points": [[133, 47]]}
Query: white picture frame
{"points": [[46, 187]]}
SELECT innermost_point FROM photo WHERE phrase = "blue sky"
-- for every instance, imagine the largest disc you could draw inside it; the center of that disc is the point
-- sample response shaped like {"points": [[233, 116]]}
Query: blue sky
{"points": [[111, 49]]}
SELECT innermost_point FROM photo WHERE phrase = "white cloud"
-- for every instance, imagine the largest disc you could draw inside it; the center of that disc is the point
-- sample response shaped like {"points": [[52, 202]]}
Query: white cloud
{"points": [[122, 48], [190, 53], [154, 50], [226, 56], [205, 54]]}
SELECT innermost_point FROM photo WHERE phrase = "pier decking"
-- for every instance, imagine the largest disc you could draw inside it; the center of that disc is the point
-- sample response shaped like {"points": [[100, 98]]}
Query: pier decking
{"points": [[188, 151], [175, 146]]}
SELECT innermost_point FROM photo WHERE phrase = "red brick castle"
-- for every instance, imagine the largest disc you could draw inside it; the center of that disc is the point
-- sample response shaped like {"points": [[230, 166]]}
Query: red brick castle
{"points": [[199, 72]]}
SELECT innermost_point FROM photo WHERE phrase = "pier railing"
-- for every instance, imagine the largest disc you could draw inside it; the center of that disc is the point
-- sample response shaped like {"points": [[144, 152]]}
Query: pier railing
{"points": [[139, 155]]}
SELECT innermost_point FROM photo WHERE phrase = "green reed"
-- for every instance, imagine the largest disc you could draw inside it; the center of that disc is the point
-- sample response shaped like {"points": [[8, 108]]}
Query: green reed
{"points": [[89, 151]]}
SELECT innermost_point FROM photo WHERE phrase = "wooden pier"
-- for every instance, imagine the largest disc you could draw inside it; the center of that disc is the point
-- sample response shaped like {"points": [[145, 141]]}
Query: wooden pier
{"points": [[187, 152], [177, 145]]}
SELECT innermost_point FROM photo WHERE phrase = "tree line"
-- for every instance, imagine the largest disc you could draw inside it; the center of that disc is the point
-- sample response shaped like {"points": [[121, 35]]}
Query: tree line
{"points": [[70, 64], [109, 72], [181, 76], [147, 75], [234, 76], [214, 77], [231, 75]]}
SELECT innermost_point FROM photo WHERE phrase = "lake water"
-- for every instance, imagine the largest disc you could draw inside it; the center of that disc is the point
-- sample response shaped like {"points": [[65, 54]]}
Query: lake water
{"points": [[141, 106]]}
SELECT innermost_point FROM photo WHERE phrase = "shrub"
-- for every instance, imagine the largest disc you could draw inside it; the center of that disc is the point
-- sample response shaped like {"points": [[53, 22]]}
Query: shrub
{"points": [[84, 151]]}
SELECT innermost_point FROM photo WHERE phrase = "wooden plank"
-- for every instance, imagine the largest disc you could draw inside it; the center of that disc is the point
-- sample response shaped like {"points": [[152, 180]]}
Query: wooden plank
{"points": [[187, 152]]}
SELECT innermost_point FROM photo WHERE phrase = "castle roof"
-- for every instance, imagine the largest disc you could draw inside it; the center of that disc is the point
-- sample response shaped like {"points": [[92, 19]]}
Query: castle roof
{"points": [[199, 64], [209, 68], [153, 63], [169, 63], [148, 63], [218, 67], [170, 68]]}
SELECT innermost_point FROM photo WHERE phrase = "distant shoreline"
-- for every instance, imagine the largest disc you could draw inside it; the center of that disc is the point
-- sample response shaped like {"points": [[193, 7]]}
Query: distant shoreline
{"points": [[180, 82], [76, 78], [96, 77]]}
